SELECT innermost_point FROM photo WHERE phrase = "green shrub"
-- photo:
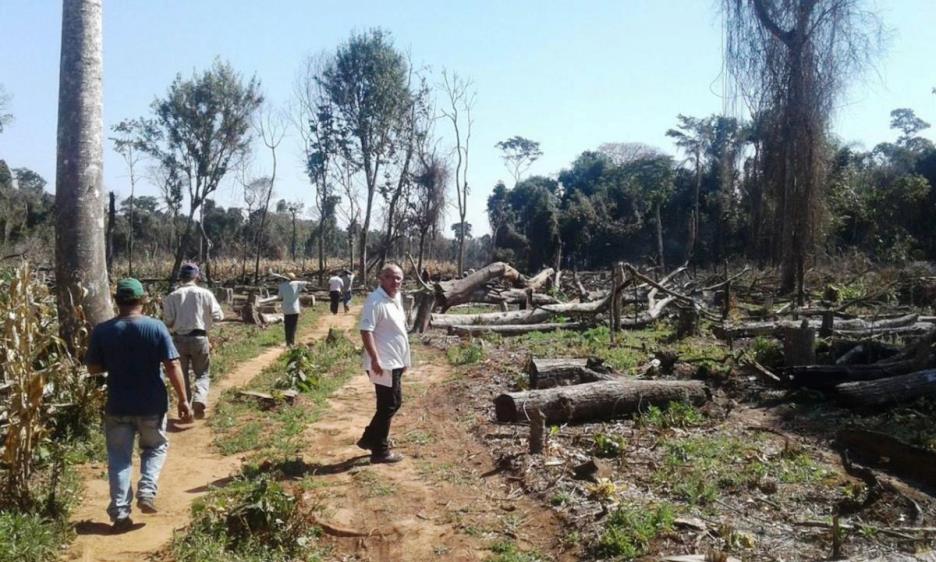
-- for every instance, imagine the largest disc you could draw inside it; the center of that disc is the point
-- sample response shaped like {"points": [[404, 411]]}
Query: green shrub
{"points": [[767, 351], [630, 529], [27, 537], [251, 519], [465, 354], [604, 445], [676, 414]]}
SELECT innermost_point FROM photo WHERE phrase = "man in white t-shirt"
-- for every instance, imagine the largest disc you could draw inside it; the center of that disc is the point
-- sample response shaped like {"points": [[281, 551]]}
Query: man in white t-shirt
{"points": [[290, 291], [335, 285], [386, 357]]}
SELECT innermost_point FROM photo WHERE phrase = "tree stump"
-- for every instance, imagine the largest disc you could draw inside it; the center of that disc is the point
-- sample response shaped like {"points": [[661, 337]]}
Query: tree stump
{"points": [[799, 345], [688, 322], [537, 432]]}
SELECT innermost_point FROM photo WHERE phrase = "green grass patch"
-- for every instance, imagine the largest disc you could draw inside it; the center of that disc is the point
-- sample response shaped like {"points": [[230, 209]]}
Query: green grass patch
{"points": [[29, 537], [465, 354], [698, 469], [507, 551], [630, 529], [316, 371], [676, 414], [253, 519]]}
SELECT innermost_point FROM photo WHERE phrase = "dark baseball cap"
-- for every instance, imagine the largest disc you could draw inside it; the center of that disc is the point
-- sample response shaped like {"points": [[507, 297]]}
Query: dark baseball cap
{"points": [[188, 271], [130, 288]]}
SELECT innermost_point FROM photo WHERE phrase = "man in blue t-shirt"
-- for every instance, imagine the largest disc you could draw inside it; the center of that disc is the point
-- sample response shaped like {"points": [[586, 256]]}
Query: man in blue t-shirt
{"points": [[131, 348]]}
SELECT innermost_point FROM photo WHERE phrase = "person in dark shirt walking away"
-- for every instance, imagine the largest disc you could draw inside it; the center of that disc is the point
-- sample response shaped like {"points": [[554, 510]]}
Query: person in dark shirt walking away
{"points": [[189, 312], [131, 348]]}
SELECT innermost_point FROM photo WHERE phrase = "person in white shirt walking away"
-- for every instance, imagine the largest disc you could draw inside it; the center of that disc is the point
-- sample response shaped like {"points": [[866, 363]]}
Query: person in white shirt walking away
{"points": [[189, 312], [347, 280], [335, 286], [386, 357], [290, 291]]}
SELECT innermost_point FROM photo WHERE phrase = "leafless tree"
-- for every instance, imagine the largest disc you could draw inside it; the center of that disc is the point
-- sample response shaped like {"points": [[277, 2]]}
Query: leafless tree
{"points": [[80, 255], [461, 101], [792, 59], [271, 127]]}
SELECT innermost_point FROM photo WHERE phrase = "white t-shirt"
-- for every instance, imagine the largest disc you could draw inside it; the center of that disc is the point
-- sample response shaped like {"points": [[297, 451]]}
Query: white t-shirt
{"points": [[384, 317], [335, 283], [191, 307], [289, 291]]}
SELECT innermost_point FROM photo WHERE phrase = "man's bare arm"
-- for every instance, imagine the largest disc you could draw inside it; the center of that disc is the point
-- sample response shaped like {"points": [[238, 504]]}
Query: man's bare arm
{"points": [[371, 347], [174, 372]]}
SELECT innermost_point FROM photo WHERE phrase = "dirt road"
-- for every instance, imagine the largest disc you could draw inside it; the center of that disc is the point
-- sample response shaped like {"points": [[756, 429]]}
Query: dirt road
{"points": [[444, 501], [191, 467]]}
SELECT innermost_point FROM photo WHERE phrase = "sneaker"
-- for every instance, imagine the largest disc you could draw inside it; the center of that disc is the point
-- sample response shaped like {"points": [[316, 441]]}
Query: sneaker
{"points": [[199, 409], [147, 505], [387, 458], [122, 525]]}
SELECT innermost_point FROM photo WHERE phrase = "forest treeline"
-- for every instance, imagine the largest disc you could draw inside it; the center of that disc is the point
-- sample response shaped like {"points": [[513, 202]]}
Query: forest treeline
{"points": [[386, 146], [630, 201]]}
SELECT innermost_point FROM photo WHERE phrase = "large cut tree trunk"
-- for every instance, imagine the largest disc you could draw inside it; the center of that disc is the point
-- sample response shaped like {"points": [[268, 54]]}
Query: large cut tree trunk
{"points": [[457, 291], [80, 260], [597, 400], [880, 449], [549, 373], [514, 329]]}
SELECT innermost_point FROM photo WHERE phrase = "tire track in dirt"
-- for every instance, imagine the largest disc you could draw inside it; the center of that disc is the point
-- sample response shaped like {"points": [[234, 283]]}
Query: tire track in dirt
{"points": [[192, 466], [438, 503]]}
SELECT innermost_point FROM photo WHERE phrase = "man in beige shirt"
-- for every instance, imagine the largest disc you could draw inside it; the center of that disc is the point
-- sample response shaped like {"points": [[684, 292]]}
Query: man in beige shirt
{"points": [[189, 312]]}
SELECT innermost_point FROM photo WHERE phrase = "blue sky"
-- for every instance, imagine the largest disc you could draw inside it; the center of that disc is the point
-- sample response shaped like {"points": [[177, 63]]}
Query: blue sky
{"points": [[570, 75]]}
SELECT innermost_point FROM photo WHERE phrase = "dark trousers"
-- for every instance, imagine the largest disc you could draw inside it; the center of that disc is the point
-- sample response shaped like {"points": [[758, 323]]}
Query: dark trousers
{"points": [[389, 399], [335, 297], [290, 321]]}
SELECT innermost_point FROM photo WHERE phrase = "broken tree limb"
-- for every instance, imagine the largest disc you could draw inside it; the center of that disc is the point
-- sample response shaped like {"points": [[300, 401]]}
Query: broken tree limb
{"points": [[514, 329], [597, 400], [898, 457], [537, 281], [891, 390], [535, 316]]}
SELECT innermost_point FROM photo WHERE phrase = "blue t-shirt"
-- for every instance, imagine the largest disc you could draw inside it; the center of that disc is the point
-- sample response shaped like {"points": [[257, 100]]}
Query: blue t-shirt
{"points": [[131, 350]]}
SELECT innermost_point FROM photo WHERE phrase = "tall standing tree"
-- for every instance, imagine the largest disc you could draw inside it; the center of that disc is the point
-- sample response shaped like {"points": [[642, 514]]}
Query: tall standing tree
{"points": [[201, 128], [693, 135], [428, 204], [366, 81], [127, 145], [792, 59], [5, 117], [518, 154], [271, 127], [80, 256], [461, 98]]}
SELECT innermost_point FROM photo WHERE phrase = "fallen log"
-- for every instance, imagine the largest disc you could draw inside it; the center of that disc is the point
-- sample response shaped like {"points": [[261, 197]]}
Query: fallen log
{"points": [[844, 327], [827, 377], [537, 281], [597, 400], [513, 329], [457, 291], [890, 454], [889, 390], [535, 316], [549, 373], [267, 400]]}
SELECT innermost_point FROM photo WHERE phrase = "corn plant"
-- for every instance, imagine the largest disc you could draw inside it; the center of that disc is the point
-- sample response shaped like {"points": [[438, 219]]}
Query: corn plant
{"points": [[40, 380]]}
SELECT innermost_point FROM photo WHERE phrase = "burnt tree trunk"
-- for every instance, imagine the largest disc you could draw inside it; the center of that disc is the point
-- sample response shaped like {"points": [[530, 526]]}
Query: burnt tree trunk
{"points": [[893, 455]]}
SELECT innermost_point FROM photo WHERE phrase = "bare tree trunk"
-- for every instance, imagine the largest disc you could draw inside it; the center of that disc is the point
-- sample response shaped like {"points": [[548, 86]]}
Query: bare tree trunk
{"points": [[80, 258], [659, 233], [111, 219], [180, 249], [130, 228]]}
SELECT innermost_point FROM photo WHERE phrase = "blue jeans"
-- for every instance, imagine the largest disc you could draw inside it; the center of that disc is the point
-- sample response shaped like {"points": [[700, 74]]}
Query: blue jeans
{"points": [[119, 432]]}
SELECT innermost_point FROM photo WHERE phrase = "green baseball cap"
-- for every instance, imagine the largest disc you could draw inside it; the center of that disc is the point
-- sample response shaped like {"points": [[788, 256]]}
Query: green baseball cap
{"points": [[130, 288]]}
